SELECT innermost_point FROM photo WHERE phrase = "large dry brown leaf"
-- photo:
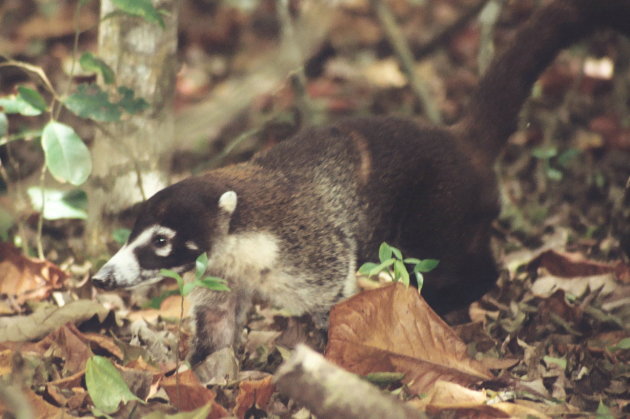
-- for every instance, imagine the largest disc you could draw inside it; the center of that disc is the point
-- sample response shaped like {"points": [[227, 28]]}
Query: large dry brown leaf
{"points": [[27, 278], [186, 393], [47, 319], [394, 329]]}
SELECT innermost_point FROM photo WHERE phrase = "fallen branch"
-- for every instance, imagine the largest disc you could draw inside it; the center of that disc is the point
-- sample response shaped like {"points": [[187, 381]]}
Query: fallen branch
{"points": [[331, 392]]}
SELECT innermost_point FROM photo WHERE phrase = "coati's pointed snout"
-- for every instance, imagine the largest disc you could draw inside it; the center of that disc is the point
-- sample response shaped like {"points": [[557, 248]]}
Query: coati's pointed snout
{"points": [[104, 279]]}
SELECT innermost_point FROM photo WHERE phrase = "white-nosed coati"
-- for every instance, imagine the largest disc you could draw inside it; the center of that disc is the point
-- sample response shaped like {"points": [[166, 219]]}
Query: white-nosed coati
{"points": [[291, 225]]}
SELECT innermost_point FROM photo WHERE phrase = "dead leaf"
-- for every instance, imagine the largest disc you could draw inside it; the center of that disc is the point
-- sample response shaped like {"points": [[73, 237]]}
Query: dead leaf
{"points": [[445, 398], [170, 308], [140, 364], [568, 265], [104, 343], [69, 382], [394, 329], [157, 344], [187, 393], [514, 260], [27, 278], [499, 363], [47, 319], [546, 285], [385, 73], [60, 23], [556, 306], [78, 399], [253, 394], [6, 362], [138, 381], [39, 407], [68, 344]]}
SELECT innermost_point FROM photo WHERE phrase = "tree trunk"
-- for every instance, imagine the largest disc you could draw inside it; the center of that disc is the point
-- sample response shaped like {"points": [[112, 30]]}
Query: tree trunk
{"points": [[130, 156]]}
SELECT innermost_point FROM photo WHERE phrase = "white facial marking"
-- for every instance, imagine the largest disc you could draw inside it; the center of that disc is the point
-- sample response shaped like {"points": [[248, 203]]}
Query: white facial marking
{"points": [[165, 231], [192, 245], [164, 251], [124, 265], [167, 247], [227, 202]]}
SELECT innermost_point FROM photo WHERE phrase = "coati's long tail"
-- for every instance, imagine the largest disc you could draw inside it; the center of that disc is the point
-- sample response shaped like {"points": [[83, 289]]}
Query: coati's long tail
{"points": [[493, 110]]}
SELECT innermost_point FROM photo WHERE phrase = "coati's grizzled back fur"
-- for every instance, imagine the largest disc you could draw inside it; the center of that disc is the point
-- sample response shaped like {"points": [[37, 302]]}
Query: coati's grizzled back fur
{"points": [[291, 225]]}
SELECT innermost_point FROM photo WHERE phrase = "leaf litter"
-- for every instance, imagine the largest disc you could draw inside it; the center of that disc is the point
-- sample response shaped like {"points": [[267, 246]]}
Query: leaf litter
{"points": [[552, 339]]}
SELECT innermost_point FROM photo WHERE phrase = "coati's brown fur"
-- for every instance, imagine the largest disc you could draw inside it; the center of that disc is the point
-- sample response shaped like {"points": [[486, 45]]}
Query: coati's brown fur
{"points": [[292, 224]]}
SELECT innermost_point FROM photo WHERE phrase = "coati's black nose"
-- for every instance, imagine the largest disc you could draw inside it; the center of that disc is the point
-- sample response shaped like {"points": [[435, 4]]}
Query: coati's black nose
{"points": [[104, 280]]}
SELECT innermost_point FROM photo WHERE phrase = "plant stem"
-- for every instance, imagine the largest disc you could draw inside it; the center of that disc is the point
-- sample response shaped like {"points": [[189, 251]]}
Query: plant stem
{"points": [[40, 219]]}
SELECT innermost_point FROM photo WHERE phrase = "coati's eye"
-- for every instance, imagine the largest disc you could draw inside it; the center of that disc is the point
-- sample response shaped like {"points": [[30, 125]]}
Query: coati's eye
{"points": [[159, 241]]}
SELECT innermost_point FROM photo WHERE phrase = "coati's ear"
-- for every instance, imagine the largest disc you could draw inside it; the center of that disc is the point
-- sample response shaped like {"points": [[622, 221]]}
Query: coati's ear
{"points": [[227, 202]]}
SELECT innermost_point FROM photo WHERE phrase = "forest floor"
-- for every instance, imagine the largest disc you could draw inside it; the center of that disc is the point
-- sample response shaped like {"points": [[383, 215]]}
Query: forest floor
{"points": [[551, 339]]}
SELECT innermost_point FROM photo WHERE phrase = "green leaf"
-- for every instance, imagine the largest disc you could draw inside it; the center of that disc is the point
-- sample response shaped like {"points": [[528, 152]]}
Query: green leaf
{"points": [[419, 280], [544, 153], [603, 411], [129, 103], [91, 63], [384, 378], [17, 104], [566, 157], [177, 277], [6, 223], [187, 288], [4, 125], [213, 283], [622, 345], [426, 265], [400, 272], [140, 8], [201, 265], [89, 101], [59, 204], [156, 302], [561, 362], [32, 97], [554, 174], [397, 253], [105, 385], [367, 267], [67, 157], [381, 267], [413, 261], [384, 252], [120, 235]]}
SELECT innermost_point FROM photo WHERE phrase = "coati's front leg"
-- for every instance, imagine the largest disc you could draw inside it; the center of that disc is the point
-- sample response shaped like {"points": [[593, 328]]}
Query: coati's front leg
{"points": [[218, 317]]}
